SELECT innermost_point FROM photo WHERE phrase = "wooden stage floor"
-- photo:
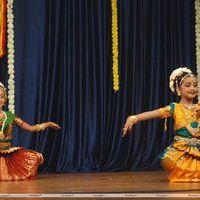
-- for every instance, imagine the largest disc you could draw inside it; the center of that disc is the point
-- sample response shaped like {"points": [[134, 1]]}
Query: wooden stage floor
{"points": [[116, 183]]}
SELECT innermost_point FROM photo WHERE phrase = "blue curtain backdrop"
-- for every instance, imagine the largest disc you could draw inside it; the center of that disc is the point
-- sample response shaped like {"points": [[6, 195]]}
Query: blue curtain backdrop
{"points": [[63, 74]]}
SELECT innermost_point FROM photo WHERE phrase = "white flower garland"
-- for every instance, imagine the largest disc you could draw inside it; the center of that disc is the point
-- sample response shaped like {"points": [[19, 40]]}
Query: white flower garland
{"points": [[197, 35], [10, 47], [174, 74]]}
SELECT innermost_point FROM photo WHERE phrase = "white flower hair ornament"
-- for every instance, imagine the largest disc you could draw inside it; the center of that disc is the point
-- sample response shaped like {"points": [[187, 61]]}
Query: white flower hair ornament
{"points": [[2, 86], [175, 73]]}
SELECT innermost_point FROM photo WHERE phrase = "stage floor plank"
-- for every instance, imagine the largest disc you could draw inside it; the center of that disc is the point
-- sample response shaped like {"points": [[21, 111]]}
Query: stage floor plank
{"points": [[115, 182]]}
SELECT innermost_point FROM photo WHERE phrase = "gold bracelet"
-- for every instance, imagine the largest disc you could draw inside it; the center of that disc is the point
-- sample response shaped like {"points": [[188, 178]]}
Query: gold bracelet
{"points": [[134, 119], [18, 121], [40, 127]]}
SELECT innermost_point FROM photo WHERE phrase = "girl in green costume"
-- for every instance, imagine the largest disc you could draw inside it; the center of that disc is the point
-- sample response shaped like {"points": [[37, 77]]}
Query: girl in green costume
{"points": [[17, 163]]}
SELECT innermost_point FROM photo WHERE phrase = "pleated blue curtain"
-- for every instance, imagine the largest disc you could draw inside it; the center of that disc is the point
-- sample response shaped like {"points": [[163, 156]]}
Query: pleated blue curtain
{"points": [[64, 74]]}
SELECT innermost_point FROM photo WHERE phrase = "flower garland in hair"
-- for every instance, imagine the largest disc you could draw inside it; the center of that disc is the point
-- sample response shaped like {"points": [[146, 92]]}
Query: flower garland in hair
{"points": [[115, 52], [174, 74], [10, 46], [197, 37]]}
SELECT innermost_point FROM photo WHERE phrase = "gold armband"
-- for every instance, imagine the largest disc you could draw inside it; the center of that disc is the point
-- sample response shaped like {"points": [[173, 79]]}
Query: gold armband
{"points": [[165, 112], [40, 127]]}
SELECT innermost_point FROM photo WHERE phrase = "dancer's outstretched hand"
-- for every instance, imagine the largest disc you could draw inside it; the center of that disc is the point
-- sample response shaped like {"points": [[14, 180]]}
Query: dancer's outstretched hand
{"points": [[131, 120], [52, 125]]}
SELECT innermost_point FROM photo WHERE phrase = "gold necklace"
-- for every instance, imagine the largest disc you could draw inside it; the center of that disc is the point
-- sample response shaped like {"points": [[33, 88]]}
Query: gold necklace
{"points": [[3, 124], [2, 115], [189, 111], [190, 107]]}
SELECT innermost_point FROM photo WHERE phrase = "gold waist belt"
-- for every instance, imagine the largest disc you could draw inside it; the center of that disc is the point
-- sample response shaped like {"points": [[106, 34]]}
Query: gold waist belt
{"points": [[4, 145], [189, 141]]}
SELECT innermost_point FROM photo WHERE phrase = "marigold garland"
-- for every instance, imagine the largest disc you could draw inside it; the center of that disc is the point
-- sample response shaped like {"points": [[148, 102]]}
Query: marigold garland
{"points": [[3, 28], [115, 52], [10, 47]]}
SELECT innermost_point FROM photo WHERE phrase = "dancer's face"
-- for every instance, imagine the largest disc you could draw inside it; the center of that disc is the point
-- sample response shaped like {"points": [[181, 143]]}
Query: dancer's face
{"points": [[189, 88], [2, 98]]}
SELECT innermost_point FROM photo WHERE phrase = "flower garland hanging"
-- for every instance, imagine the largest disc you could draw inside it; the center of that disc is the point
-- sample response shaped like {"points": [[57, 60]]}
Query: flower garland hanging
{"points": [[10, 47], [197, 35], [3, 10], [115, 52]]}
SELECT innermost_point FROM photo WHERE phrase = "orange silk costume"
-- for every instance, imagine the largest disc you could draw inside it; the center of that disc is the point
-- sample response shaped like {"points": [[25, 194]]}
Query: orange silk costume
{"points": [[16, 163], [182, 158]]}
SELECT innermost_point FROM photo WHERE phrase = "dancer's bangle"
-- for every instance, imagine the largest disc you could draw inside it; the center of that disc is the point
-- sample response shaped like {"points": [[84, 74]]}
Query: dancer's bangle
{"points": [[134, 119], [18, 121], [40, 127]]}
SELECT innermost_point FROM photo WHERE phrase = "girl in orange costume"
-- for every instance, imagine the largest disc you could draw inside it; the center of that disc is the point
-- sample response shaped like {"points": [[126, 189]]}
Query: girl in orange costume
{"points": [[17, 163], [182, 158]]}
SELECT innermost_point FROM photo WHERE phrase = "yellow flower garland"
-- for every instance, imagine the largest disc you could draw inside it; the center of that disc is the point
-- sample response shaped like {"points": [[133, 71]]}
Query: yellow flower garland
{"points": [[115, 52]]}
